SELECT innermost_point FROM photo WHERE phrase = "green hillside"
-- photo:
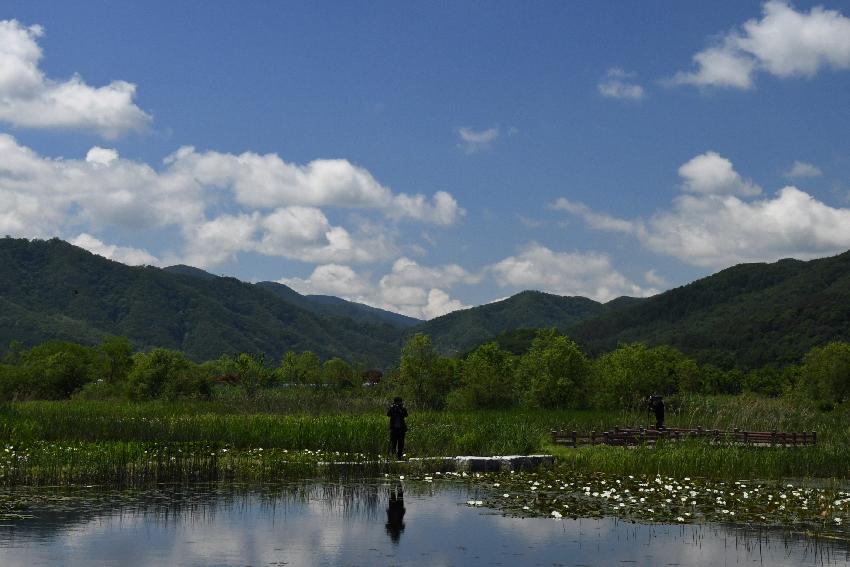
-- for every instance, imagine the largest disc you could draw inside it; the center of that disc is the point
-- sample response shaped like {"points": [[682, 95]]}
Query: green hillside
{"points": [[744, 316], [51, 289], [459, 331]]}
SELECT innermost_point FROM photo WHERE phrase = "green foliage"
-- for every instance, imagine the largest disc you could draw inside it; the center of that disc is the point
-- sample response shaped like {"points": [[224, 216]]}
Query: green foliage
{"points": [[337, 372], [554, 373], [424, 375], [167, 374], [826, 372], [625, 377], [486, 380], [118, 358], [52, 370]]}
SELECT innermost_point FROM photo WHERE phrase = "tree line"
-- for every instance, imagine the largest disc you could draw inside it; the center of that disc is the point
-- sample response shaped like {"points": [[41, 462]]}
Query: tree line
{"points": [[552, 373]]}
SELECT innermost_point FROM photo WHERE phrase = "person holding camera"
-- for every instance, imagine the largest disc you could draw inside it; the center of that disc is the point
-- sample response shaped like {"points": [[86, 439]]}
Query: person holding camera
{"points": [[398, 427]]}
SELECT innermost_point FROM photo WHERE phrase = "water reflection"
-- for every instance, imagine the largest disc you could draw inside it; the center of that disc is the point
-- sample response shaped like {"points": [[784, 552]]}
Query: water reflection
{"points": [[322, 523], [395, 512]]}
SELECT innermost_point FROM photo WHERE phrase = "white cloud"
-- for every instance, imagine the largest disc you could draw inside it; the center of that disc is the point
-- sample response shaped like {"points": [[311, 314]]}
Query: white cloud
{"points": [[410, 288], [712, 229], [652, 278], [711, 173], [784, 43], [331, 279], [803, 169], [472, 141], [29, 99], [123, 254], [594, 220], [101, 156], [208, 197], [565, 273], [616, 85], [268, 181]]}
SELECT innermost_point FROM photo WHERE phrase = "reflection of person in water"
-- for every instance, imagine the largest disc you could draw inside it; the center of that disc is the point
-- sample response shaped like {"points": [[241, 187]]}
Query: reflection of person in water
{"points": [[395, 513]]}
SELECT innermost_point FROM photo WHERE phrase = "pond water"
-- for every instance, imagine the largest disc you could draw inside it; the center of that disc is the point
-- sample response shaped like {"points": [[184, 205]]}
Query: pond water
{"points": [[377, 522]]}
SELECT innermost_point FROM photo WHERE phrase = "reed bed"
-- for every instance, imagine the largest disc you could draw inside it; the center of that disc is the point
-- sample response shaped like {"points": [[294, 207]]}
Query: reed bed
{"points": [[121, 442]]}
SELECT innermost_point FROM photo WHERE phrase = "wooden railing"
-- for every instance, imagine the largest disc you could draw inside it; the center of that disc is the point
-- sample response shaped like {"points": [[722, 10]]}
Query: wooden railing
{"points": [[625, 436]]}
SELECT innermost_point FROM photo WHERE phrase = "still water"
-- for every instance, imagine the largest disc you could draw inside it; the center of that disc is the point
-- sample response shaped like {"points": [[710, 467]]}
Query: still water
{"points": [[360, 523]]}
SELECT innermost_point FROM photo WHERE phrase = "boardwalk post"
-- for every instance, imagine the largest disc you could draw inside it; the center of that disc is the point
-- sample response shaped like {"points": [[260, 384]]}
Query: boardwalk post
{"points": [[773, 438], [575, 441], [746, 437], [593, 437], [814, 437], [794, 438]]}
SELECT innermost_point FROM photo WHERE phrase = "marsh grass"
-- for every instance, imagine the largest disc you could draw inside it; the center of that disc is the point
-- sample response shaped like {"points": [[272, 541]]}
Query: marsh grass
{"points": [[98, 441]]}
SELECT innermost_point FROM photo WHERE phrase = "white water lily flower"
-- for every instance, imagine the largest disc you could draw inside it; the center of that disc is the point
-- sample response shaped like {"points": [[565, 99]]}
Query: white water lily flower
{"points": [[837, 520], [401, 477], [506, 495], [556, 514], [525, 507], [680, 519]]}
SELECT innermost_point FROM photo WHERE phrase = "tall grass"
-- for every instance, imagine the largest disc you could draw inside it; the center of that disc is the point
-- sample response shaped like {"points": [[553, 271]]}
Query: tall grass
{"points": [[97, 440]]}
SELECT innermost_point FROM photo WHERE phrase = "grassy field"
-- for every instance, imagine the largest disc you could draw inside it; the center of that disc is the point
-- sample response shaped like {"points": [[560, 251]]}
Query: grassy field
{"points": [[122, 442]]}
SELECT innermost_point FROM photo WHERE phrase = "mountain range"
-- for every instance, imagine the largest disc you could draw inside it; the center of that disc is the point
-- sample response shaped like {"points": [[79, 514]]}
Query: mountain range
{"points": [[745, 316]]}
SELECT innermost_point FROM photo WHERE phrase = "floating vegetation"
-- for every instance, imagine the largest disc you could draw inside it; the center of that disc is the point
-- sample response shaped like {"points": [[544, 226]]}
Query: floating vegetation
{"points": [[667, 500]]}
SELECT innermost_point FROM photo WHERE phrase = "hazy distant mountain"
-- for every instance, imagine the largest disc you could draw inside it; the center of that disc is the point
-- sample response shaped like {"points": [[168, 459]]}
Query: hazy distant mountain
{"points": [[337, 307], [51, 289]]}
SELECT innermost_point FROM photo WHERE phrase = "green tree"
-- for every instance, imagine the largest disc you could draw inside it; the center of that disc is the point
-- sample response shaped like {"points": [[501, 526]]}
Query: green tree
{"points": [[309, 368], [337, 372], [626, 376], [165, 373], [425, 376], [554, 373], [252, 372], [486, 379], [287, 372], [118, 358], [825, 372]]}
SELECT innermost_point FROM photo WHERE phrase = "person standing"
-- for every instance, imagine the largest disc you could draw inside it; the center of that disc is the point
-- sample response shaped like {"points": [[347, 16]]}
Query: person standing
{"points": [[658, 410], [398, 427]]}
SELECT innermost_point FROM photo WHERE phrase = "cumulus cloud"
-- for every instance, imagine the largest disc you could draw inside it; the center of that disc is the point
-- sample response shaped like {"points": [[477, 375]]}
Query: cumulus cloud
{"points": [[711, 173], [715, 229], [123, 254], [473, 141], [222, 204], [409, 288], [29, 99], [616, 85], [593, 219], [587, 274], [783, 43], [803, 169], [268, 181]]}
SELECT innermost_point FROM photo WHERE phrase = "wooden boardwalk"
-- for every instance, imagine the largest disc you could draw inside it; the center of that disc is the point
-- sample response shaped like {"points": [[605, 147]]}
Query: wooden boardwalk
{"points": [[625, 436]]}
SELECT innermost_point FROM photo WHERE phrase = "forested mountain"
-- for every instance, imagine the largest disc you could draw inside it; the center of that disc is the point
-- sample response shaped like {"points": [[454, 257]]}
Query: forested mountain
{"points": [[461, 330], [53, 290], [744, 316]]}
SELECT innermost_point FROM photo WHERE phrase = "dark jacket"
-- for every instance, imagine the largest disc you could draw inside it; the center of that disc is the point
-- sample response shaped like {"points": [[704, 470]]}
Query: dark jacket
{"points": [[397, 413]]}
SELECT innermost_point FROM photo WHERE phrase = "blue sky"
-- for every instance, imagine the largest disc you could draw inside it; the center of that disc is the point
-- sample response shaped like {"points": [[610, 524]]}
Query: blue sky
{"points": [[426, 157]]}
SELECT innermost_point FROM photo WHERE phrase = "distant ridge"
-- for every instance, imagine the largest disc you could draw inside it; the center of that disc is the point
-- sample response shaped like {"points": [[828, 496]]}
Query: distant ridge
{"points": [[459, 331], [54, 290], [337, 307], [745, 316]]}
